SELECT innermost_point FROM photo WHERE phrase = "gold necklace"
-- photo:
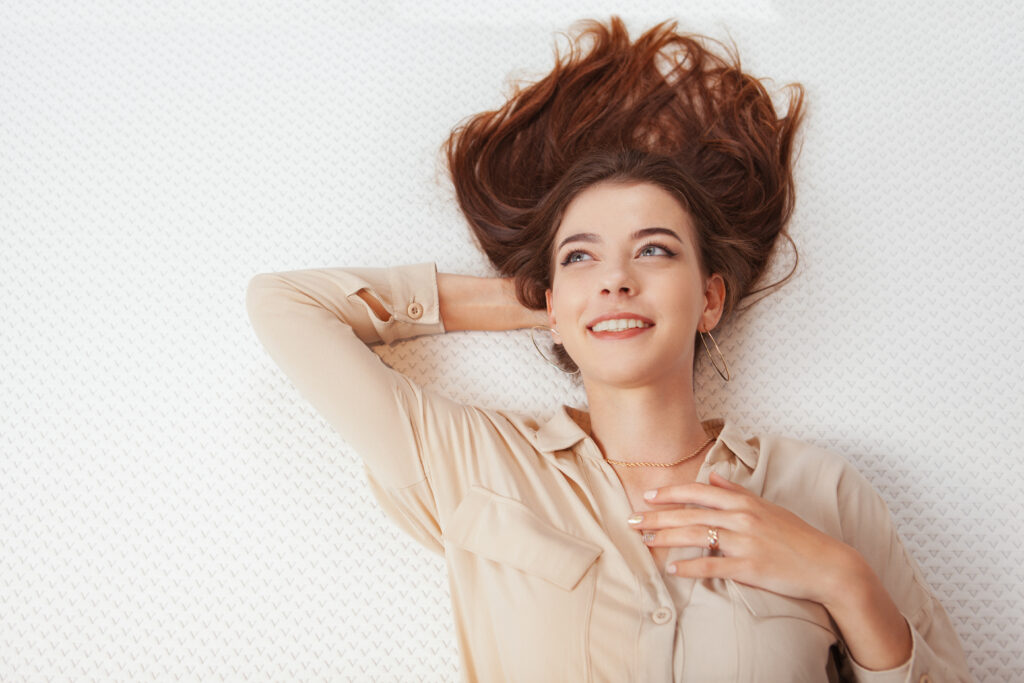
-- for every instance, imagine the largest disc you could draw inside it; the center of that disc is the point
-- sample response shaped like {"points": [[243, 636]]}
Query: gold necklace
{"points": [[662, 464]]}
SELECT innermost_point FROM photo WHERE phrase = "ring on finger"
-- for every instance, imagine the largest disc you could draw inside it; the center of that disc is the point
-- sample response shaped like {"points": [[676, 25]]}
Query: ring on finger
{"points": [[712, 538]]}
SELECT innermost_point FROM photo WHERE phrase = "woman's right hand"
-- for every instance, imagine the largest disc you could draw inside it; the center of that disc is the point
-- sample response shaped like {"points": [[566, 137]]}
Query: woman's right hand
{"points": [[528, 317]]}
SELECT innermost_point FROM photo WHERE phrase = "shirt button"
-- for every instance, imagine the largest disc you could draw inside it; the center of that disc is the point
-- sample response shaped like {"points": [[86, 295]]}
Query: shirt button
{"points": [[415, 310], [662, 615]]}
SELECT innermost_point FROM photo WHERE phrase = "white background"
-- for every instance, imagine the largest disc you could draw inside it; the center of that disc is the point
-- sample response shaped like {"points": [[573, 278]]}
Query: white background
{"points": [[171, 508]]}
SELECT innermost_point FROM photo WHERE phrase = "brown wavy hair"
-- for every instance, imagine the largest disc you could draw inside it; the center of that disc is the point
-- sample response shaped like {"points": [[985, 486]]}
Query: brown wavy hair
{"points": [[664, 109]]}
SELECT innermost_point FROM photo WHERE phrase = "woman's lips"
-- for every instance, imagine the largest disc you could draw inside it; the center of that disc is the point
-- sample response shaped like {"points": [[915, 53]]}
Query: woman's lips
{"points": [[623, 334]]}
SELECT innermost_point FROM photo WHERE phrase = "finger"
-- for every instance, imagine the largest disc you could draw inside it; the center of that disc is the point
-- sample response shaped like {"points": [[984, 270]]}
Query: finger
{"points": [[698, 494], [708, 567], [718, 480], [680, 517], [688, 536]]}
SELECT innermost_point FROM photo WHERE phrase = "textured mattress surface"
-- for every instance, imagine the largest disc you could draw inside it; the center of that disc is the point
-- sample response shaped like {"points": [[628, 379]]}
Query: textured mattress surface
{"points": [[171, 507]]}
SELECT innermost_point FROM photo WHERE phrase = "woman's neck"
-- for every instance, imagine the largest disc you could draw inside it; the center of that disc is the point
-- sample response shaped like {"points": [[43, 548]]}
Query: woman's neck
{"points": [[646, 425]]}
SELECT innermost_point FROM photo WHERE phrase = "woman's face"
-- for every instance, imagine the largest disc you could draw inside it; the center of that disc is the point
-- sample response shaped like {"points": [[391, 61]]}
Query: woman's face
{"points": [[601, 266]]}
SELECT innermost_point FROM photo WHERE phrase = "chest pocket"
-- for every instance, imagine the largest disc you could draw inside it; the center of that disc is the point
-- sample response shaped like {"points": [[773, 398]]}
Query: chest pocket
{"points": [[526, 587], [507, 531], [802, 629]]}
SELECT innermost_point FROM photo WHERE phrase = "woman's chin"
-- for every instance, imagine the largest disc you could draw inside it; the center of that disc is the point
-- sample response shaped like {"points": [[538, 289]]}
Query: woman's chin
{"points": [[623, 376], [626, 373]]}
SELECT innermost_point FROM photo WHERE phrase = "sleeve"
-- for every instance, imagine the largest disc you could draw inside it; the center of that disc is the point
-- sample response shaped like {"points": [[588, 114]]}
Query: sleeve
{"points": [[318, 330], [937, 654]]}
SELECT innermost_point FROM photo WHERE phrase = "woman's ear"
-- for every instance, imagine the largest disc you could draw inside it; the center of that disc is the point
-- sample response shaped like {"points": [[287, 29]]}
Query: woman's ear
{"points": [[714, 301], [551, 316]]}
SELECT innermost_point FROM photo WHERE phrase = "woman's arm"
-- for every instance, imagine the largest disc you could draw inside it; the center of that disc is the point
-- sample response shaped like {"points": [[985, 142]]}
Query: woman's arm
{"points": [[317, 325], [475, 303], [884, 595], [483, 303], [876, 633]]}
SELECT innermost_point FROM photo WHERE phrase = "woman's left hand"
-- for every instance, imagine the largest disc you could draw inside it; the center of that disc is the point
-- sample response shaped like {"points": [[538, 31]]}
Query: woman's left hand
{"points": [[762, 544]]}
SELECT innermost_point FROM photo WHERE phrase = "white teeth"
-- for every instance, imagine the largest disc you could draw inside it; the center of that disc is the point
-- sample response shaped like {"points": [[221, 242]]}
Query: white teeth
{"points": [[618, 325]]}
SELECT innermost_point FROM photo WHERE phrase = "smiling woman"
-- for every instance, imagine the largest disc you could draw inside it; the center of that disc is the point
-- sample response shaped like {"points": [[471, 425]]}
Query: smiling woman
{"points": [[663, 282], [632, 209], [665, 110]]}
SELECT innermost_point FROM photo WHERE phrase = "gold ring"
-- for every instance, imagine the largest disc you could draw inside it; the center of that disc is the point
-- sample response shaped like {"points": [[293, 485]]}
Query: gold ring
{"points": [[712, 538]]}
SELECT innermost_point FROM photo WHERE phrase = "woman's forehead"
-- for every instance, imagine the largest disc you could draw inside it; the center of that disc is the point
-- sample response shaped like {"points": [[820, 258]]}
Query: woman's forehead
{"points": [[610, 211]]}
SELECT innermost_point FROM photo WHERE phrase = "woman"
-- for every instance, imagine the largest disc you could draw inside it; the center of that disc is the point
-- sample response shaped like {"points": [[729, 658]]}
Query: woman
{"points": [[630, 203]]}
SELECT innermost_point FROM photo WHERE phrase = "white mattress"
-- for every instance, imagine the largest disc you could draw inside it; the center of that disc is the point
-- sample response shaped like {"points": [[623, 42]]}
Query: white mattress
{"points": [[169, 506]]}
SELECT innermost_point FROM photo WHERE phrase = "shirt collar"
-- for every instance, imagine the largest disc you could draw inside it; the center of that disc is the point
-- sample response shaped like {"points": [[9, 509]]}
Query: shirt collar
{"points": [[563, 431]]}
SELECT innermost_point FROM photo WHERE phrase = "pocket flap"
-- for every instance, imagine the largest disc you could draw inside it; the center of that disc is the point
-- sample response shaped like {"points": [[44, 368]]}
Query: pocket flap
{"points": [[765, 604], [505, 530]]}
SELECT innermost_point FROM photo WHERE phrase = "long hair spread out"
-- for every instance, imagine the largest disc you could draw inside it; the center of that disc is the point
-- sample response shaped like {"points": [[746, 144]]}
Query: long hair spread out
{"points": [[663, 109]]}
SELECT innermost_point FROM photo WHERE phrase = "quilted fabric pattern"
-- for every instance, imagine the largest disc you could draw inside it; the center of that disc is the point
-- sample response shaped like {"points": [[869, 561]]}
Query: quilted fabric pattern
{"points": [[170, 507]]}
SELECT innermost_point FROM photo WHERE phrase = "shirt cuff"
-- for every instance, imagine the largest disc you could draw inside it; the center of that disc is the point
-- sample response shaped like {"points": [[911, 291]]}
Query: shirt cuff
{"points": [[408, 292], [917, 668], [897, 674]]}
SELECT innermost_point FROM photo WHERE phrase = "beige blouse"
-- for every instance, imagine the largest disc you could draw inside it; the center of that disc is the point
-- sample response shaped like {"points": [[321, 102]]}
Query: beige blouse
{"points": [[548, 582]]}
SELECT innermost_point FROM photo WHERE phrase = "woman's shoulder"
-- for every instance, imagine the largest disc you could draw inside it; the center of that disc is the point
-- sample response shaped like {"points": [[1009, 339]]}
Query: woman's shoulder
{"points": [[784, 456], [815, 481], [784, 452], [516, 431]]}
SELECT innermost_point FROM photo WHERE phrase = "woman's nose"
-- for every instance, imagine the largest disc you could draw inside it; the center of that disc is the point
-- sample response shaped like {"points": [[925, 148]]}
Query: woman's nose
{"points": [[617, 280], [624, 289]]}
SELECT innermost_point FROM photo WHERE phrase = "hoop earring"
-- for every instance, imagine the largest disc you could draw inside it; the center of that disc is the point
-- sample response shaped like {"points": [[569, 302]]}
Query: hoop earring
{"points": [[534, 339], [727, 376]]}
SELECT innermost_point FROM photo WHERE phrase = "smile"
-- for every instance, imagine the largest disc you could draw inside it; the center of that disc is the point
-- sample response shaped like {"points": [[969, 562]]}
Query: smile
{"points": [[619, 332], [618, 324]]}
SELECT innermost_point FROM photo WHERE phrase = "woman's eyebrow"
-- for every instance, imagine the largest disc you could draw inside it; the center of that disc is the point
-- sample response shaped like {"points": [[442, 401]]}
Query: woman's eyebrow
{"points": [[594, 237]]}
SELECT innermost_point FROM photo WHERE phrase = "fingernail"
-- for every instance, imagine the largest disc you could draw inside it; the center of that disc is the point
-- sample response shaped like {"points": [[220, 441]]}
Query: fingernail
{"points": [[648, 495], [648, 537], [636, 519], [671, 569]]}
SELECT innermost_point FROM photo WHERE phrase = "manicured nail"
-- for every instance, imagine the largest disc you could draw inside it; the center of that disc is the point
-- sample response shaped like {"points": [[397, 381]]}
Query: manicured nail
{"points": [[671, 569], [648, 537], [650, 494], [636, 519]]}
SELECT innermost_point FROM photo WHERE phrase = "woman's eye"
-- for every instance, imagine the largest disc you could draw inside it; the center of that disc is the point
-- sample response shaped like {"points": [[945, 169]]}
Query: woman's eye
{"points": [[569, 257], [655, 246]]}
